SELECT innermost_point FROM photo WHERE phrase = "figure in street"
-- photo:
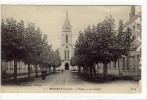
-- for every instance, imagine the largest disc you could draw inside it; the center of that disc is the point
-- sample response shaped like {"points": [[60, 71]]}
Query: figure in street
{"points": [[62, 71]]}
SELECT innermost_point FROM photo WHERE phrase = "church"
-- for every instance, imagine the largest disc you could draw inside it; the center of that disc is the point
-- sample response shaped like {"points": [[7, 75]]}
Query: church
{"points": [[66, 50]]}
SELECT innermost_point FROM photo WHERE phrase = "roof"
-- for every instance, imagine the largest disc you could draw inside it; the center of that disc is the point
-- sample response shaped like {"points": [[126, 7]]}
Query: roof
{"points": [[66, 26], [132, 19]]}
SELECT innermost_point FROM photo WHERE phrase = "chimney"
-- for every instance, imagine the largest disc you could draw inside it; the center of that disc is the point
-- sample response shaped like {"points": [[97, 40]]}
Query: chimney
{"points": [[133, 10]]}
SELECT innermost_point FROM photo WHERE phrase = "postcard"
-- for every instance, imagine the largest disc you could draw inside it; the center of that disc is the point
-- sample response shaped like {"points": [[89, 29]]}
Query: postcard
{"points": [[71, 49]]}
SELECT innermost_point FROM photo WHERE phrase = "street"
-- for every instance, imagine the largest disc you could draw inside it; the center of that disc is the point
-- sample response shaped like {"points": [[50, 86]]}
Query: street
{"points": [[57, 79], [67, 79], [68, 82]]}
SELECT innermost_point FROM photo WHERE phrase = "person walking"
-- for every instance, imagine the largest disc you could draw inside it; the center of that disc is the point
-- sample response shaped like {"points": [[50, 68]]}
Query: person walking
{"points": [[62, 71]]}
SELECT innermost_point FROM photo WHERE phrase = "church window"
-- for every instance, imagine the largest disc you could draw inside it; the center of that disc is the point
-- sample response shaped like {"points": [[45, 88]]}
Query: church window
{"points": [[66, 46], [68, 53], [66, 38], [65, 53]]}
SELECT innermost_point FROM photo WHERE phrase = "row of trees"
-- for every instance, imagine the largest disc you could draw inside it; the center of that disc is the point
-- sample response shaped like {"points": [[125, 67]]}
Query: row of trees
{"points": [[26, 43], [101, 43]]}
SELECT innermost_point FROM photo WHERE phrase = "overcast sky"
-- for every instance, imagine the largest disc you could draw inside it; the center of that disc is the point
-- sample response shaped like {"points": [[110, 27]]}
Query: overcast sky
{"points": [[51, 18]]}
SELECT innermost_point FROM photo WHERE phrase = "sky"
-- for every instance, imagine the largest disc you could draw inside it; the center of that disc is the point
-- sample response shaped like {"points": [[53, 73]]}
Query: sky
{"points": [[50, 19]]}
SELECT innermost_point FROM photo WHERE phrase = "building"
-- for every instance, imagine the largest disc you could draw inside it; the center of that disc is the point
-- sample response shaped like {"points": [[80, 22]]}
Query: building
{"points": [[134, 23], [22, 68], [66, 50], [123, 66]]}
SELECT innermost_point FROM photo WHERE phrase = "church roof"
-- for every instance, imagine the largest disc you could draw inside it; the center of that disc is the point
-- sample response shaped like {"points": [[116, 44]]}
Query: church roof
{"points": [[66, 26]]}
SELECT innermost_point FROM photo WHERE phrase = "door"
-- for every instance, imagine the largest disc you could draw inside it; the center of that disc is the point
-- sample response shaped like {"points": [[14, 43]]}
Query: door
{"points": [[66, 66]]}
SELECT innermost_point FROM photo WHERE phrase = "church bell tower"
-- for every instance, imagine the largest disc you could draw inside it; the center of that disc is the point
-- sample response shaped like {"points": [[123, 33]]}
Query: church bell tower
{"points": [[66, 44]]}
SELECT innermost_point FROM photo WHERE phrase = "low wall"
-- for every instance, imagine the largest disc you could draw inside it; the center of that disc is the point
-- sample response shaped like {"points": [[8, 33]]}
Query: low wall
{"points": [[114, 72], [121, 72]]}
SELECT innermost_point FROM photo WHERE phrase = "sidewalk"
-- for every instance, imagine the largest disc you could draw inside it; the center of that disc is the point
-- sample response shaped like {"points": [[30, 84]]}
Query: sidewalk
{"points": [[32, 75]]}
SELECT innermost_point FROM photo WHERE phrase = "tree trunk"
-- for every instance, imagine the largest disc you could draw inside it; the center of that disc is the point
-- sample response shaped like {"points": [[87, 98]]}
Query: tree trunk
{"points": [[127, 62], [15, 70], [118, 63], [41, 70], [94, 71], [49, 70], [54, 69], [46, 70], [90, 71], [104, 71], [115, 64], [118, 67], [79, 69], [29, 71], [86, 70], [36, 70], [98, 67], [73, 68]]}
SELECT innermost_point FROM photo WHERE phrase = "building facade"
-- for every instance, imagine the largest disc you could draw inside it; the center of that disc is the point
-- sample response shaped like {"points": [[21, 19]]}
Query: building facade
{"points": [[123, 66], [66, 50], [22, 68], [134, 23]]}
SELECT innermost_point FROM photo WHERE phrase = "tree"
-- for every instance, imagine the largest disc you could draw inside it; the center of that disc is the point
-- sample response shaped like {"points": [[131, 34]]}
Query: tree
{"points": [[102, 44], [118, 43], [38, 49], [13, 45], [95, 45], [55, 60], [33, 41], [73, 61], [107, 33], [128, 44], [25, 44]]}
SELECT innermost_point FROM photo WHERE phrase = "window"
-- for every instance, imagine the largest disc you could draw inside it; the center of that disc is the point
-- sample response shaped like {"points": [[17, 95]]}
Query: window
{"points": [[66, 28], [133, 29], [138, 61], [138, 27], [65, 53], [66, 38]]}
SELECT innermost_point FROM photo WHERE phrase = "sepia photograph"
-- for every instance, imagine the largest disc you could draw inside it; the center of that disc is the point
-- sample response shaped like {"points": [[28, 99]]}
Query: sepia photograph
{"points": [[71, 49]]}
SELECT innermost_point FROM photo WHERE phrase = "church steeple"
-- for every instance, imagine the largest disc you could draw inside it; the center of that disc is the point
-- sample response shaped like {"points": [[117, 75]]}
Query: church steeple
{"points": [[66, 44], [66, 26]]}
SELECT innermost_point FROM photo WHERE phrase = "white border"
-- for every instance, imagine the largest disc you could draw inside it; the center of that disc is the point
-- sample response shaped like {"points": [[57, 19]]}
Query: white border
{"points": [[74, 2], [53, 96]]}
